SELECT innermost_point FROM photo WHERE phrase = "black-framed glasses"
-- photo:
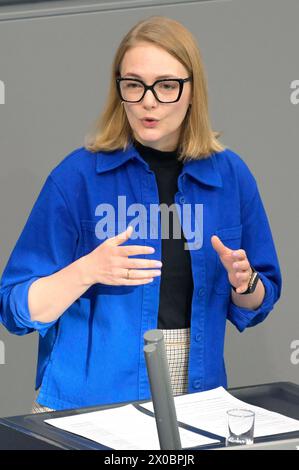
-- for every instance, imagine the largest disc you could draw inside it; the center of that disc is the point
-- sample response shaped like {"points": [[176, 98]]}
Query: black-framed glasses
{"points": [[133, 90]]}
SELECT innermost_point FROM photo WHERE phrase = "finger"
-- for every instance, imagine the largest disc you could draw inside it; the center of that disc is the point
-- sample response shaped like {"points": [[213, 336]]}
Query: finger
{"points": [[131, 263], [239, 254], [135, 282], [241, 265], [243, 276], [140, 273], [219, 246], [130, 250], [121, 237]]}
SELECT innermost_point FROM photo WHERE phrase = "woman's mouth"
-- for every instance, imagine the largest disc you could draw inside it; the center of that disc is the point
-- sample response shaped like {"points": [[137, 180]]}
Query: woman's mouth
{"points": [[149, 122]]}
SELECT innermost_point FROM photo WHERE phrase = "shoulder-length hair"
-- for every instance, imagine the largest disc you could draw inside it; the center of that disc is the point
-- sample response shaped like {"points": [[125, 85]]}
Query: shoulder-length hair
{"points": [[197, 139]]}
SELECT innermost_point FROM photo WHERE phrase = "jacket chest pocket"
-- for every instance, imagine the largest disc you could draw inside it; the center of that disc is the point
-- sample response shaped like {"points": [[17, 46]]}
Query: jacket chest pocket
{"points": [[89, 239], [230, 237]]}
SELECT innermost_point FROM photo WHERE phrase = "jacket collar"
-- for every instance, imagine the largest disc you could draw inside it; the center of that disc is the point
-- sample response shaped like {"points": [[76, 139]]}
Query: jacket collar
{"points": [[205, 171]]}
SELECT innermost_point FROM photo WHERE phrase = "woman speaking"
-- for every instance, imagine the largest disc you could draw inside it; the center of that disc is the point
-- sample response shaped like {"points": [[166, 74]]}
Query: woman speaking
{"points": [[153, 223]]}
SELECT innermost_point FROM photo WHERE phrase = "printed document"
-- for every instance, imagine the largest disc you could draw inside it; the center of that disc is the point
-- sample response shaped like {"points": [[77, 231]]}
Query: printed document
{"points": [[122, 428], [127, 428], [207, 411]]}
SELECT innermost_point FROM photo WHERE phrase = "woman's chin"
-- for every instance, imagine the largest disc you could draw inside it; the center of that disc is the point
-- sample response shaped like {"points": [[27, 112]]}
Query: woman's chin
{"points": [[149, 135]]}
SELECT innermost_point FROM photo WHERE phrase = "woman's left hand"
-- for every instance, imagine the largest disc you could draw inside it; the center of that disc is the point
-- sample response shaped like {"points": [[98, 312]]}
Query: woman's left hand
{"points": [[235, 262]]}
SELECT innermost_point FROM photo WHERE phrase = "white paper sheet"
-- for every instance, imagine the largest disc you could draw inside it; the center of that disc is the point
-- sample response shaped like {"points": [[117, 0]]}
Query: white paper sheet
{"points": [[122, 428], [207, 410]]}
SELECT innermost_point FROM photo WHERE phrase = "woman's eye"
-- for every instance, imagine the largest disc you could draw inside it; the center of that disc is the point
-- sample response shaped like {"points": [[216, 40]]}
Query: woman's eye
{"points": [[168, 86], [133, 85]]}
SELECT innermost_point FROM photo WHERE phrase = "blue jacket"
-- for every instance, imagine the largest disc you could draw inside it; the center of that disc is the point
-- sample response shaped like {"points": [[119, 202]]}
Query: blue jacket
{"points": [[93, 354]]}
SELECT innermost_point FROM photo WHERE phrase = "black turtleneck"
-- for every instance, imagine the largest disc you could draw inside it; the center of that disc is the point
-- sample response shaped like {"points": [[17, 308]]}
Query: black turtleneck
{"points": [[176, 287]]}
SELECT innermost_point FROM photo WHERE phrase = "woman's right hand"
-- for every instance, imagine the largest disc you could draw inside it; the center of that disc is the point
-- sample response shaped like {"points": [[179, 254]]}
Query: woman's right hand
{"points": [[110, 264]]}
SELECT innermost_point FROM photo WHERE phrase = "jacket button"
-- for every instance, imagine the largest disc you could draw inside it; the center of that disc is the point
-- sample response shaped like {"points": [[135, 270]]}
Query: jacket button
{"points": [[182, 199], [198, 337], [197, 384], [201, 292]]}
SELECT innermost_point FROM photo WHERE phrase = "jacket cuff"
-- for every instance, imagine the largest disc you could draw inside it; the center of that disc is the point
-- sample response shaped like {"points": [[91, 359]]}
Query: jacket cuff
{"points": [[19, 307], [244, 317]]}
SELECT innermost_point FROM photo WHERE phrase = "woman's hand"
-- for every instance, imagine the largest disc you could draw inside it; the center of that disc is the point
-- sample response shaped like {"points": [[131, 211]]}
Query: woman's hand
{"points": [[235, 262], [110, 264]]}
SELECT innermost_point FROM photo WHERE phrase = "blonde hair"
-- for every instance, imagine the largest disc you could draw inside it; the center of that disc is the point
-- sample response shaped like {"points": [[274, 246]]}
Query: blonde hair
{"points": [[197, 139]]}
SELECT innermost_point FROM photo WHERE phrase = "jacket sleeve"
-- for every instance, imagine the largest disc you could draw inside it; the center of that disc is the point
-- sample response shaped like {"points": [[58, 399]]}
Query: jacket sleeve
{"points": [[258, 244], [46, 245]]}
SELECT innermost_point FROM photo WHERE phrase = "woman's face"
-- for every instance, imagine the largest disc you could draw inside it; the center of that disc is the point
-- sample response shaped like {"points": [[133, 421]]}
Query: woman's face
{"points": [[148, 63]]}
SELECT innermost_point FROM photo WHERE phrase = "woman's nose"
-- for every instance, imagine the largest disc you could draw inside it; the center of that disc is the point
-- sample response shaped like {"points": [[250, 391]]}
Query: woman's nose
{"points": [[149, 99]]}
